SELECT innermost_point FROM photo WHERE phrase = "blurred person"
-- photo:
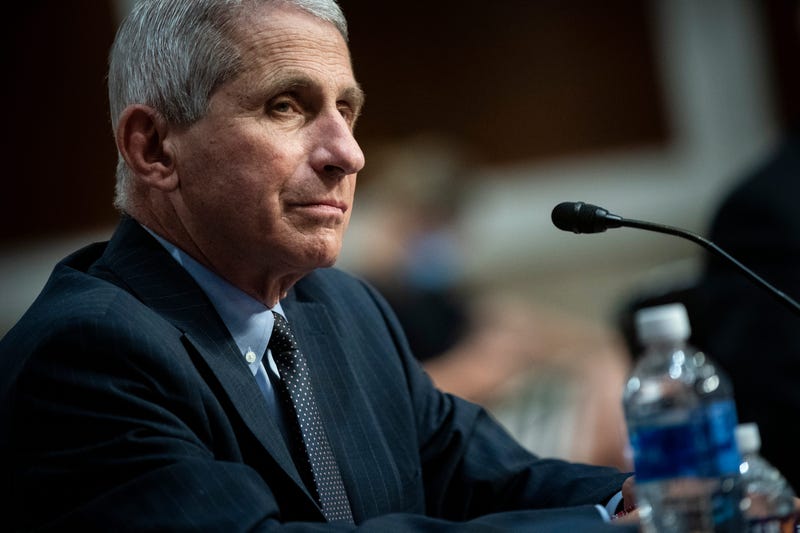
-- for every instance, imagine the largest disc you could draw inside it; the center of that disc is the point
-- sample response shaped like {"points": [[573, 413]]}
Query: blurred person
{"points": [[750, 334], [205, 369], [547, 375]]}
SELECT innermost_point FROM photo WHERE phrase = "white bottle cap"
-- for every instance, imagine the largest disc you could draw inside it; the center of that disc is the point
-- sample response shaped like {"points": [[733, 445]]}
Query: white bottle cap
{"points": [[748, 438], [663, 323]]}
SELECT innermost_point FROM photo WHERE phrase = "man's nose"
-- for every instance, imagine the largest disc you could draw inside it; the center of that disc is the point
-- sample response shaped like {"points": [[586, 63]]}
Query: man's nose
{"points": [[337, 153]]}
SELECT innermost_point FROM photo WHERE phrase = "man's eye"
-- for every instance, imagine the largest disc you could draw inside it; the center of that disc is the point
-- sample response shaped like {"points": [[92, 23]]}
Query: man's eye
{"points": [[281, 107], [347, 112]]}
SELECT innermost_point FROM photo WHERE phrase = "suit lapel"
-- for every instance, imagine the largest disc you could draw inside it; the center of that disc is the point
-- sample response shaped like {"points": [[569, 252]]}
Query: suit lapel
{"points": [[162, 284]]}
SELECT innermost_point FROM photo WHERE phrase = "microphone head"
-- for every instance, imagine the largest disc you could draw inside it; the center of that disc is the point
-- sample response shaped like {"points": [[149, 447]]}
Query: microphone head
{"points": [[579, 217]]}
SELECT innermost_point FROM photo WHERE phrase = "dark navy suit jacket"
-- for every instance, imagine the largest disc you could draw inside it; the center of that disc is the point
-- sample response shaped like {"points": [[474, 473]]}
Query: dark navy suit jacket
{"points": [[125, 405]]}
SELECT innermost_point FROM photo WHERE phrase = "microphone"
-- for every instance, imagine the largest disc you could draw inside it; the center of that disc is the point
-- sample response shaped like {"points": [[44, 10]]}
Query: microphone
{"points": [[580, 217]]}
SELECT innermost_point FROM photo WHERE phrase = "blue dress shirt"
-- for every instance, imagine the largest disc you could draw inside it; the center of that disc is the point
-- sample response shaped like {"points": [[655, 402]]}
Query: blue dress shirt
{"points": [[249, 321]]}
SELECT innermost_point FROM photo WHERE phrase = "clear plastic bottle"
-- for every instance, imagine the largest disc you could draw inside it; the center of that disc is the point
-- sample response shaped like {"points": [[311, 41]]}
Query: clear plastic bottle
{"points": [[767, 498], [681, 421]]}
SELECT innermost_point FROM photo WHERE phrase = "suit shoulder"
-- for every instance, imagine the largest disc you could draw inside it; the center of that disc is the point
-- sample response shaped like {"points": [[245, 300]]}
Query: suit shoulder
{"points": [[73, 301], [80, 318]]}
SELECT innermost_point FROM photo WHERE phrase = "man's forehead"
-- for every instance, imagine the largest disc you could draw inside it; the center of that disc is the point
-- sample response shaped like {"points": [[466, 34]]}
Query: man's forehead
{"points": [[283, 22], [292, 41]]}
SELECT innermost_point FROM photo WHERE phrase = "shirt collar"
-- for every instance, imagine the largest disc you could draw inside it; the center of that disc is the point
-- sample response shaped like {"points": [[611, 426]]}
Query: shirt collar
{"points": [[249, 321]]}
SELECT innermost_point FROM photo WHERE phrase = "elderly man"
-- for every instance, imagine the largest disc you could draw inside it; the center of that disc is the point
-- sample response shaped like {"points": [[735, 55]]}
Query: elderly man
{"points": [[203, 370]]}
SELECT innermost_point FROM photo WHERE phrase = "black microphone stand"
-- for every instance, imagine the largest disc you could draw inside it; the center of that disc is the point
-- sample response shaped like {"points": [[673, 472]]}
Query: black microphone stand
{"points": [[755, 278]]}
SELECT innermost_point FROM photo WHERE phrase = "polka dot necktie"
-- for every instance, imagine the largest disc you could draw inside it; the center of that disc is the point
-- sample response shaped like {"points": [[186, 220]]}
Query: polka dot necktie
{"points": [[298, 395]]}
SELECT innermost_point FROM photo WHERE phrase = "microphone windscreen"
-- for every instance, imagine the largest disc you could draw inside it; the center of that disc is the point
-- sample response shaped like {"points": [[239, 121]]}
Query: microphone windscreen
{"points": [[579, 217], [565, 214]]}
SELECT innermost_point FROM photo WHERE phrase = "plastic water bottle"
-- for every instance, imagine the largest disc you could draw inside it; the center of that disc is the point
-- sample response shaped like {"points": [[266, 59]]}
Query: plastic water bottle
{"points": [[681, 422], [767, 499]]}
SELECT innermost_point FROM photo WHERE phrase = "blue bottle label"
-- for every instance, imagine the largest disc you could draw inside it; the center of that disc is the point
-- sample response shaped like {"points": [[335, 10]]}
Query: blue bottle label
{"points": [[702, 444], [722, 422], [666, 451]]}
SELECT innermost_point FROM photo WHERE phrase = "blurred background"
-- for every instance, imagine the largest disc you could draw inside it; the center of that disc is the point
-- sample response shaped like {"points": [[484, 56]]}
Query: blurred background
{"points": [[484, 114]]}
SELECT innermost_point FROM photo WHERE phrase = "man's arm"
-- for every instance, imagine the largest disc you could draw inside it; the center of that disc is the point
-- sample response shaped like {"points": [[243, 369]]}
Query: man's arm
{"points": [[472, 466]]}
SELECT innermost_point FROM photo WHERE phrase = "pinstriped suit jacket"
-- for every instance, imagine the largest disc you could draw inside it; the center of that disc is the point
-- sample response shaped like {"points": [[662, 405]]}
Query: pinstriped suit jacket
{"points": [[126, 406]]}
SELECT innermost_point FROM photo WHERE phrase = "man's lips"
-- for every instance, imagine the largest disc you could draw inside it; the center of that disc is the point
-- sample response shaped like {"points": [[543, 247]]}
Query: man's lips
{"points": [[332, 206]]}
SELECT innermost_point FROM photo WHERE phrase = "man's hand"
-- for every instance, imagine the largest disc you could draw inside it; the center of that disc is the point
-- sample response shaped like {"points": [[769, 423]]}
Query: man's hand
{"points": [[629, 513], [626, 519], [629, 494]]}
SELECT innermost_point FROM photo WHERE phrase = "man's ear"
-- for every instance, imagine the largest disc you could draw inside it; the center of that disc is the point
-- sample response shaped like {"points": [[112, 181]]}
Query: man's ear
{"points": [[141, 134]]}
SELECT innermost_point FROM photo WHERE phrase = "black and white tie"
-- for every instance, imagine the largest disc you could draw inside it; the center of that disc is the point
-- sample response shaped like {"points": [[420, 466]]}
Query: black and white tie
{"points": [[297, 392]]}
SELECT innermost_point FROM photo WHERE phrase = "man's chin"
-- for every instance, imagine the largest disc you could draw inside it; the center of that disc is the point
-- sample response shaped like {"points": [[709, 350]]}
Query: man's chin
{"points": [[322, 257], [307, 250]]}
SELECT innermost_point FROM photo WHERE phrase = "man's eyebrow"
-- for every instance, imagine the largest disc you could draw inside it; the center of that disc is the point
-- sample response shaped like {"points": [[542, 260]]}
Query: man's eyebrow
{"points": [[290, 81]]}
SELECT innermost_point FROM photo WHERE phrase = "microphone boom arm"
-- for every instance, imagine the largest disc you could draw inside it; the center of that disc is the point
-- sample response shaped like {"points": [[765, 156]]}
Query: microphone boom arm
{"points": [[755, 278]]}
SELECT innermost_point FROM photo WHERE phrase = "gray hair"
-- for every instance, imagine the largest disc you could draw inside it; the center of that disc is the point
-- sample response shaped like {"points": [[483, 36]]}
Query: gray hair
{"points": [[172, 54]]}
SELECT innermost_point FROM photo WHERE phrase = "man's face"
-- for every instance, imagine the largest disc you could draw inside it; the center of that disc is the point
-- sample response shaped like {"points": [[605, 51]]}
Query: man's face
{"points": [[267, 177]]}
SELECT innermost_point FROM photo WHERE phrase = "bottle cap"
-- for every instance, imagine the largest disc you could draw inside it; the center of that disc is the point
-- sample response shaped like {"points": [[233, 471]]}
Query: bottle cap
{"points": [[663, 323], [748, 438]]}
